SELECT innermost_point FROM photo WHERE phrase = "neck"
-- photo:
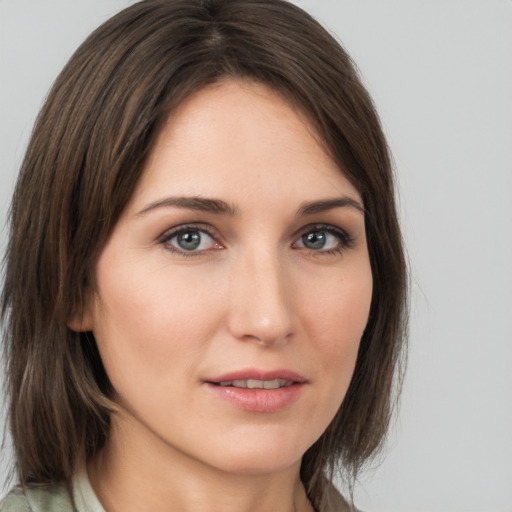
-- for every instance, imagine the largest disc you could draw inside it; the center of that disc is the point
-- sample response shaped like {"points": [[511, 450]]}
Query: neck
{"points": [[164, 480]]}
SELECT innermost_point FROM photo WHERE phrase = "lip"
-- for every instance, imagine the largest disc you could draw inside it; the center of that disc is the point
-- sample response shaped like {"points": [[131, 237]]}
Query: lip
{"points": [[254, 373], [258, 400]]}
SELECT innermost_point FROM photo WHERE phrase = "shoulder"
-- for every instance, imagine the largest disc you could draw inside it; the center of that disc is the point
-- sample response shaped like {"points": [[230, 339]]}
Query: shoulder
{"points": [[333, 501], [15, 501], [37, 499]]}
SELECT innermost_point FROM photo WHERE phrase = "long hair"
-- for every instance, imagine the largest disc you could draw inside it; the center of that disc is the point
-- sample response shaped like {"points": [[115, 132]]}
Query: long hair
{"points": [[85, 157]]}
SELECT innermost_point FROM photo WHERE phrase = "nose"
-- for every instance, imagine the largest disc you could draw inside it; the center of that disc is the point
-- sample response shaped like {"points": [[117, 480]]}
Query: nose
{"points": [[261, 309]]}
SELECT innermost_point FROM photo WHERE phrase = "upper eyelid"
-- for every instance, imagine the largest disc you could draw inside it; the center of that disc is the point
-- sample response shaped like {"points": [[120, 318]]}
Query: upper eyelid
{"points": [[172, 232], [321, 226], [208, 228]]}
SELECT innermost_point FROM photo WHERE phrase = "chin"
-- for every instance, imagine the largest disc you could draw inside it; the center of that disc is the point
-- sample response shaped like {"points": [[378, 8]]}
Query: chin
{"points": [[262, 455], [253, 464]]}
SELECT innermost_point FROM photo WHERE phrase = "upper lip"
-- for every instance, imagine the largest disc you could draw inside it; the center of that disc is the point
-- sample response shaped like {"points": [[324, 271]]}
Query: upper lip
{"points": [[257, 374]]}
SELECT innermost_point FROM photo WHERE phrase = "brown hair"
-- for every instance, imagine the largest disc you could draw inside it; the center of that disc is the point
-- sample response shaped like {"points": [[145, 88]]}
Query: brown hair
{"points": [[86, 155]]}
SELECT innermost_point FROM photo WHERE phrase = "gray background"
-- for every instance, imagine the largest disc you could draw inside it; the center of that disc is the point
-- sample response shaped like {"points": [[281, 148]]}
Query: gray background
{"points": [[441, 75]]}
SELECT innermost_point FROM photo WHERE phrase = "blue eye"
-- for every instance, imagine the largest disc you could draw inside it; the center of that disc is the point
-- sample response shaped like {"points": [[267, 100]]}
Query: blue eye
{"points": [[190, 240], [315, 240], [324, 239]]}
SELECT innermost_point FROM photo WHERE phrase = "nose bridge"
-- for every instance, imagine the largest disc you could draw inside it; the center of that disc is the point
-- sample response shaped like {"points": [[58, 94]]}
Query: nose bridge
{"points": [[261, 307]]}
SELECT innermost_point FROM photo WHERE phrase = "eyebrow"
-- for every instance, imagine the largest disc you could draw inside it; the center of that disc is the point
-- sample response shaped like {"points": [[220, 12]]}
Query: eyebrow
{"points": [[204, 204], [201, 204], [329, 204]]}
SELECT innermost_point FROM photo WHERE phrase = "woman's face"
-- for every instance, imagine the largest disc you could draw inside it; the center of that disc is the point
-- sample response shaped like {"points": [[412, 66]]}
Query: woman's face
{"points": [[233, 292]]}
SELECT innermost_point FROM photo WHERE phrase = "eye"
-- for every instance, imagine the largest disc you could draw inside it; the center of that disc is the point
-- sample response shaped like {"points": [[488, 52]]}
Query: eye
{"points": [[189, 240], [324, 239]]}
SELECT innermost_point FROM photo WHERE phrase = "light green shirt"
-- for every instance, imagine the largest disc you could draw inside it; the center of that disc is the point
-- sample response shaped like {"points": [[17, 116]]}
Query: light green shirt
{"points": [[54, 499], [57, 499]]}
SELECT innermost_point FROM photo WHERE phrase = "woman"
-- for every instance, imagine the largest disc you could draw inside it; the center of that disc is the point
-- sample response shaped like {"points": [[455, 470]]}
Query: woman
{"points": [[205, 281]]}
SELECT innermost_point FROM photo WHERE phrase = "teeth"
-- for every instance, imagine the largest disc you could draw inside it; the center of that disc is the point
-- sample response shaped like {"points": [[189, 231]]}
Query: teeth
{"points": [[257, 384], [272, 384]]}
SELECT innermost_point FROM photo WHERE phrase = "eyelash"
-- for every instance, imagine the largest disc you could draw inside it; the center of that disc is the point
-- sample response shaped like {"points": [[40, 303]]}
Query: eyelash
{"points": [[345, 240], [169, 235]]}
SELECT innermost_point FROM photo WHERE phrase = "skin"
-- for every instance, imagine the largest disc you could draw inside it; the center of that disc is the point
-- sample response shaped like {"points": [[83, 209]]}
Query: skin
{"points": [[252, 295]]}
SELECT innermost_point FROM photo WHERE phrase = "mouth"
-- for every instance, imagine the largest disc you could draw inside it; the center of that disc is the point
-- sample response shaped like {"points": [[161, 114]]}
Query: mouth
{"points": [[258, 391], [255, 383], [253, 378]]}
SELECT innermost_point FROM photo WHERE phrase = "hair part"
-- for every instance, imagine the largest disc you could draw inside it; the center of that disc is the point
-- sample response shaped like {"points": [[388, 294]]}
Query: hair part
{"points": [[86, 155]]}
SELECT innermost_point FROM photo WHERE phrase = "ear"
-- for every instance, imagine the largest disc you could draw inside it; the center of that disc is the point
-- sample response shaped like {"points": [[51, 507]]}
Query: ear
{"points": [[80, 323], [83, 320]]}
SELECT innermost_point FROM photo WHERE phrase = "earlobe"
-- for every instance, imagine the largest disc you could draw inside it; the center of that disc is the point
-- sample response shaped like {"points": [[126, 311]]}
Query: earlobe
{"points": [[81, 322]]}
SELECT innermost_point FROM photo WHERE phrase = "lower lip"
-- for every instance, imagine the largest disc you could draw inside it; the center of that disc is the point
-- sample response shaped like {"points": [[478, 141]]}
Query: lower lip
{"points": [[258, 400]]}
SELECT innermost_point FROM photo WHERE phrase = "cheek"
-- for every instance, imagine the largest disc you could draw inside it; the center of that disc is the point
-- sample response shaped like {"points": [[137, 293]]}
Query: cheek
{"points": [[337, 317], [339, 309], [147, 321]]}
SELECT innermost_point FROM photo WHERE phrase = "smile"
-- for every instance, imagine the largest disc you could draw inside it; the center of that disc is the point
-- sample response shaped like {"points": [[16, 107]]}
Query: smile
{"points": [[256, 384], [258, 391]]}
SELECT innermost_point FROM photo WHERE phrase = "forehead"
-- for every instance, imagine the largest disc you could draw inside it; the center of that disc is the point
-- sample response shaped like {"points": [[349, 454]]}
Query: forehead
{"points": [[239, 137]]}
